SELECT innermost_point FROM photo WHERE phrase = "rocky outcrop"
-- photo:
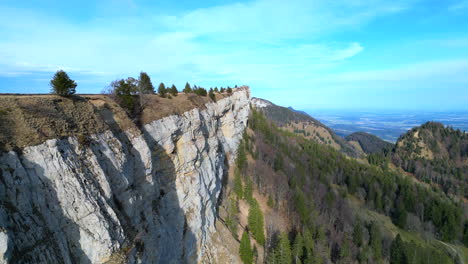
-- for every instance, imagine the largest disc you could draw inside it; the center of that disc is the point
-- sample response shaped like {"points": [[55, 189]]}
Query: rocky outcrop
{"points": [[134, 196]]}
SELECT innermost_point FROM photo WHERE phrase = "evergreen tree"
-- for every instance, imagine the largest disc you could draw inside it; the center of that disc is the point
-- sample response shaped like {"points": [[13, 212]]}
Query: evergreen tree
{"points": [[238, 185], [187, 88], [248, 191], [241, 160], [345, 250], [144, 84], [212, 95], [284, 249], [216, 90], [375, 240], [229, 90], [174, 91], [124, 91], [256, 222], [231, 220], [397, 251], [358, 233], [62, 85], [298, 249], [245, 249], [162, 90]]}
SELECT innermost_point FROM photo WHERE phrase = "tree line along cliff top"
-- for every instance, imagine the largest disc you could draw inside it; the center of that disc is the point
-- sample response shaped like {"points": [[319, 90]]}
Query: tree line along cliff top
{"points": [[31, 119]]}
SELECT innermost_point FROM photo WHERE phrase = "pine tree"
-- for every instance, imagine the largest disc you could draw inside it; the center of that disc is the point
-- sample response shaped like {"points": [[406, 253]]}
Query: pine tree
{"points": [[241, 160], [298, 249], [256, 222], [245, 249], [62, 85], [284, 249], [375, 240], [174, 91], [358, 233], [216, 90], [144, 84], [212, 95], [187, 88], [229, 90], [162, 90], [124, 91], [238, 185], [232, 220], [345, 250], [397, 251], [248, 191]]}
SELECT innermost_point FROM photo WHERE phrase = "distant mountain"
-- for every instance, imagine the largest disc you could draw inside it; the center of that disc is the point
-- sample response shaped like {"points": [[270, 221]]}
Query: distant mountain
{"points": [[436, 154], [369, 143], [300, 122], [297, 111]]}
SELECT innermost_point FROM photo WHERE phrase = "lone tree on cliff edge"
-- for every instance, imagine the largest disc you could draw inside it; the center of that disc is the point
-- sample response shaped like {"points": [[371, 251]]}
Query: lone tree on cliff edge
{"points": [[62, 84]]}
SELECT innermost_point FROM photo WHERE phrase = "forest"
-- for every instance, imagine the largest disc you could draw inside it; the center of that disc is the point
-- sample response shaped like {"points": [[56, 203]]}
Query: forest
{"points": [[342, 210]]}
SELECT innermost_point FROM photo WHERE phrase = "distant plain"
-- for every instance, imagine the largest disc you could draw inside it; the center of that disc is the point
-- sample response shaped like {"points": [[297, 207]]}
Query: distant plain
{"points": [[388, 125]]}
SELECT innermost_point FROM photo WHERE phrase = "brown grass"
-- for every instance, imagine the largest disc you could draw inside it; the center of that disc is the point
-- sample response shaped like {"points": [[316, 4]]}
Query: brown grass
{"points": [[27, 120]]}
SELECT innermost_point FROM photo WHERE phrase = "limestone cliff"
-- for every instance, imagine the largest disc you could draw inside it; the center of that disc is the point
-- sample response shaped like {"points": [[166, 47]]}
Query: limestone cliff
{"points": [[144, 195]]}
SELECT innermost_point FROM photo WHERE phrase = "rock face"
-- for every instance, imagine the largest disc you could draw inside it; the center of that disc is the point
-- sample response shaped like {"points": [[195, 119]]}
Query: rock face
{"points": [[146, 196]]}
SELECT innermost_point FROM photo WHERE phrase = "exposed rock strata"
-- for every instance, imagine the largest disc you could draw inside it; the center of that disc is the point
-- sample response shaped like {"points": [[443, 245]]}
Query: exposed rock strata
{"points": [[144, 196]]}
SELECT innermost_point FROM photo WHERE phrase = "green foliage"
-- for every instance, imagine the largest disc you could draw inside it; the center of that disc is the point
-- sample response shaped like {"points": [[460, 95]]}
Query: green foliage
{"points": [[375, 240], [241, 160], [162, 90], [283, 250], [245, 249], [187, 88], [173, 90], [345, 250], [124, 90], [232, 220], [144, 84], [238, 185], [402, 252], [358, 236], [301, 206], [298, 249], [278, 163], [270, 202], [212, 95], [62, 85], [200, 91], [397, 253], [256, 222], [248, 191], [229, 90]]}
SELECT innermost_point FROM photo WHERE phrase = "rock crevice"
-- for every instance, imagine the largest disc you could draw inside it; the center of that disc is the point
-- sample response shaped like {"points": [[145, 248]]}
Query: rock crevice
{"points": [[123, 197]]}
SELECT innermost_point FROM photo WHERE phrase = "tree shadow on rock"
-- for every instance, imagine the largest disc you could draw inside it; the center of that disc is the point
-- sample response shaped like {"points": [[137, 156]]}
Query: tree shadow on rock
{"points": [[145, 199]]}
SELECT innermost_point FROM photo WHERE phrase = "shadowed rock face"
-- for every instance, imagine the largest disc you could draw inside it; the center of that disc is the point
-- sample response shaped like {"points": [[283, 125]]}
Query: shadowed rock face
{"points": [[145, 196]]}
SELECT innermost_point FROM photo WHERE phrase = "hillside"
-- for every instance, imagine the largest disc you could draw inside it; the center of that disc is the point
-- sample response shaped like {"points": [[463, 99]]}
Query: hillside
{"points": [[369, 143], [323, 207], [303, 124], [435, 154]]}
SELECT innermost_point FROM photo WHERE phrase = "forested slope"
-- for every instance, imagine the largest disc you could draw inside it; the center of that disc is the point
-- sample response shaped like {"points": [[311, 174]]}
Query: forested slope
{"points": [[435, 154], [324, 206]]}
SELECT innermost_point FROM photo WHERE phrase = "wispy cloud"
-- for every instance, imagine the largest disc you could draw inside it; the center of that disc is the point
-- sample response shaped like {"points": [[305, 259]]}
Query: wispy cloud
{"points": [[459, 6]]}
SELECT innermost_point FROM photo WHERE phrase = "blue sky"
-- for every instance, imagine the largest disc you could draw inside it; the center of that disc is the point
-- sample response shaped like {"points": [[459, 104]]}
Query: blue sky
{"points": [[310, 54]]}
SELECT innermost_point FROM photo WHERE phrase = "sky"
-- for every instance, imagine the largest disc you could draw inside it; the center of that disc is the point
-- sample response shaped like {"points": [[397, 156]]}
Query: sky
{"points": [[309, 54]]}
